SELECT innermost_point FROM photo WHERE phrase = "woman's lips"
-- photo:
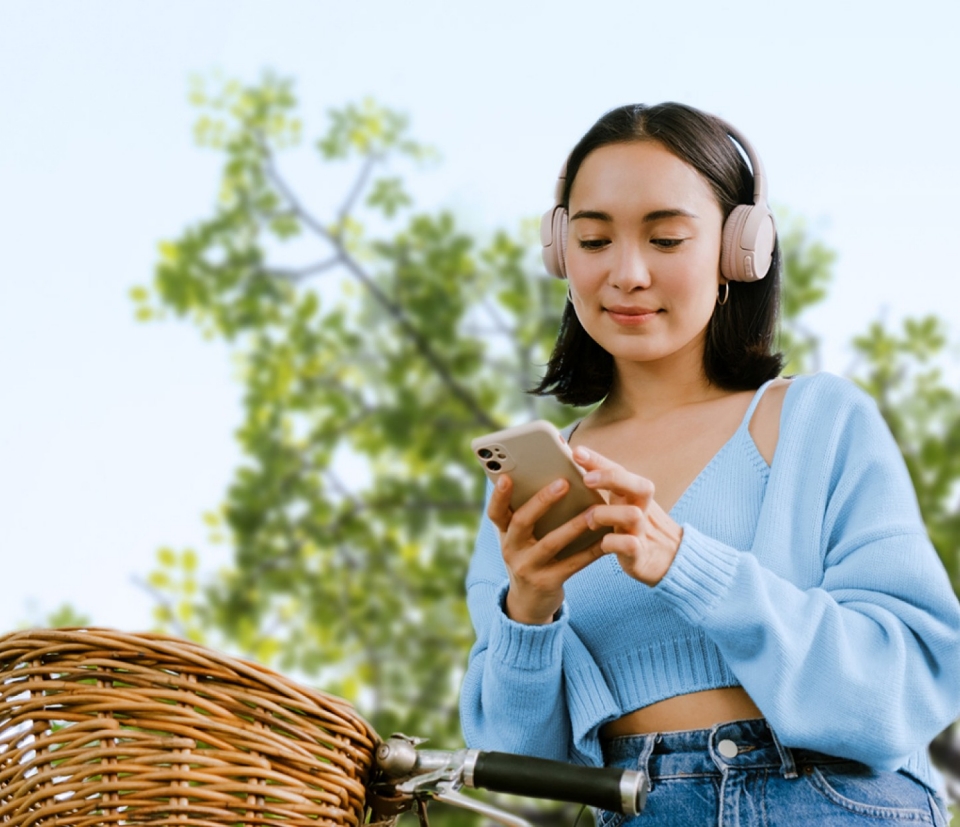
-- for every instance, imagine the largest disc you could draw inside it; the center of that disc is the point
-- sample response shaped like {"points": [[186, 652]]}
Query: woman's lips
{"points": [[631, 316]]}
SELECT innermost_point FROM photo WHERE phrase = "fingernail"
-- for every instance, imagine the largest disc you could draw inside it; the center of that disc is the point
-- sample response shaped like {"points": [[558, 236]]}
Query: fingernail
{"points": [[592, 477], [557, 486], [590, 519], [581, 453], [502, 483]]}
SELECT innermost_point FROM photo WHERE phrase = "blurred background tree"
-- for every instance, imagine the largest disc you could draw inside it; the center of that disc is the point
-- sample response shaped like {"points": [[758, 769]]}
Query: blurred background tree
{"points": [[367, 364]]}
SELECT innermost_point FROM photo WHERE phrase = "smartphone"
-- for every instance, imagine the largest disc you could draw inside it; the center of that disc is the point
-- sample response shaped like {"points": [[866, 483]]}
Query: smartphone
{"points": [[534, 455]]}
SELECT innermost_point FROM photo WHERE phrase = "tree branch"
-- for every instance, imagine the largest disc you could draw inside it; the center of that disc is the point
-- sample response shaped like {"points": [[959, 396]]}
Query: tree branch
{"points": [[340, 487], [423, 346], [358, 186], [498, 321], [295, 206], [396, 311], [295, 276]]}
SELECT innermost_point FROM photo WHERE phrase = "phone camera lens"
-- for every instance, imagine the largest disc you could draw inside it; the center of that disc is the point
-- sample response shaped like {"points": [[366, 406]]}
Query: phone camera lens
{"points": [[493, 465], [485, 453]]}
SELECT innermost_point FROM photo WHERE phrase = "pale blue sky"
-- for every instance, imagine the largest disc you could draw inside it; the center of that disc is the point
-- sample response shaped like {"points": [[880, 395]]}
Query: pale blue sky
{"points": [[115, 437]]}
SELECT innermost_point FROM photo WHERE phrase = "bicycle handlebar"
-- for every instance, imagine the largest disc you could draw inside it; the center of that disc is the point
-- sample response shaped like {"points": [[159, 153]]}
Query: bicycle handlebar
{"points": [[609, 788]]}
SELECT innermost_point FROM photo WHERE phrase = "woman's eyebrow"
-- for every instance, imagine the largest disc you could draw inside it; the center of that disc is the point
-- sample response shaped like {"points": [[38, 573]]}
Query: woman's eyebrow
{"points": [[656, 215], [596, 215]]}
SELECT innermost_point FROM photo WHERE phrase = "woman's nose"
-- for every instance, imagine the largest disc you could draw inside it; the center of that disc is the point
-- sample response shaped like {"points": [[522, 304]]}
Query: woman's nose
{"points": [[630, 271]]}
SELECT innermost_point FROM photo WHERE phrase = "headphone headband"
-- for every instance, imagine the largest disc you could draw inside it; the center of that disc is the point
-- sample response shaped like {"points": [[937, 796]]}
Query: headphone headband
{"points": [[756, 165]]}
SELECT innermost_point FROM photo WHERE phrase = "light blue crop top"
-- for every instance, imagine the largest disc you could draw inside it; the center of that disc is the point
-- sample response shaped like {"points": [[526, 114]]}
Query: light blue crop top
{"points": [[811, 583]]}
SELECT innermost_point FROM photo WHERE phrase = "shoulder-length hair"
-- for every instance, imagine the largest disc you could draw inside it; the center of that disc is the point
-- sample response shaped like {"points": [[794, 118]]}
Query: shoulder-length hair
{"points": [[739, 352]]}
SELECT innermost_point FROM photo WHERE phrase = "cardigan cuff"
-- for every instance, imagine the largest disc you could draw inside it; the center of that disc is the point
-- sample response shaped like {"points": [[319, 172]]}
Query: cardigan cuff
{"points": [[701, 575], [522, 646]]}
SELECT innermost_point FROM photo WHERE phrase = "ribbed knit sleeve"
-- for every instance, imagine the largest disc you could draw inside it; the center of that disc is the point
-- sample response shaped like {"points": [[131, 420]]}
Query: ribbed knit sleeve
{"points": [[865, 662], [528, 689]]}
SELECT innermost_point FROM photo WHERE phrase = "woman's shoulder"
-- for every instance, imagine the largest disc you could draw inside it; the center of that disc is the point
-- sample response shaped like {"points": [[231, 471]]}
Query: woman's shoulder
{"points": [[828, 415], [815, 399], [822, 382], [825, 396]]}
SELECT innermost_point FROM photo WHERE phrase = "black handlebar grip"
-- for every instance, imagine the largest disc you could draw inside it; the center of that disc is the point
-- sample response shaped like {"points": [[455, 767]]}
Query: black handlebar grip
{"points": [[609, 788]]}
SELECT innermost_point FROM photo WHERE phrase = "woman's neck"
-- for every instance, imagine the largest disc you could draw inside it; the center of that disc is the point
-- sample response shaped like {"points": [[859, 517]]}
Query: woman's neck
{"points": [[648, 390]]}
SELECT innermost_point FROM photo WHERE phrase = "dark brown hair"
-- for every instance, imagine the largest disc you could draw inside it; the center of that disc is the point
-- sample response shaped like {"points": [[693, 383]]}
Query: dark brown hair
{"points": [[739, 351]]}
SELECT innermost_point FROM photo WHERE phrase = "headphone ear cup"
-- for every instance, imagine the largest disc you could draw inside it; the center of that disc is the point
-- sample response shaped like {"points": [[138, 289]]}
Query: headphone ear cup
{"points": [[749, 235], [553, 238]]}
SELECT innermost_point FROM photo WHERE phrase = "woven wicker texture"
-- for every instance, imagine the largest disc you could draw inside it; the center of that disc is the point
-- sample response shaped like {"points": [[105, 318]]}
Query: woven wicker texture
{"points": [[101, 727]]}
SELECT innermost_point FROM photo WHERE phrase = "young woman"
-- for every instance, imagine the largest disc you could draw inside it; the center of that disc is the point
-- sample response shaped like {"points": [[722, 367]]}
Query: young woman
{"points": [[768, 631]]}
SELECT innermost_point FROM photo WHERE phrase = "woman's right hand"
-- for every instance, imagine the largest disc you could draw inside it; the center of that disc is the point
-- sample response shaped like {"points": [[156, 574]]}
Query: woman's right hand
{"points": [[536, 577]]}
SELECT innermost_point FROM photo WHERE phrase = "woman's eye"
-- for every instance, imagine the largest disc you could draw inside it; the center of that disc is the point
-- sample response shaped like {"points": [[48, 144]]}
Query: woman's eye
{"points": [[593, 243], [667, 243]]}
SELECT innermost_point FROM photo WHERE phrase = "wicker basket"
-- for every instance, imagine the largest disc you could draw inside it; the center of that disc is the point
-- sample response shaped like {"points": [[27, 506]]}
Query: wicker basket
{"points": [[100, 727]]}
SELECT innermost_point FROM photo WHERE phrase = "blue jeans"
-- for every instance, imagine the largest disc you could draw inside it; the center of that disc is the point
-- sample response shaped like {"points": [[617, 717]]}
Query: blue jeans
{"points": [[739, 775]]}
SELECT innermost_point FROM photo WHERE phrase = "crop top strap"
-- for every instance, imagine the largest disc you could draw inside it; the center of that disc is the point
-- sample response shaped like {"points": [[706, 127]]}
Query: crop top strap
{"points": [[568, 431], [754, 402]]}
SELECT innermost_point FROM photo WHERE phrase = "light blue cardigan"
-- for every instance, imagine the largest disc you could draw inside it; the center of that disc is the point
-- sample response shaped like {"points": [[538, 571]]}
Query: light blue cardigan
{"points": [[811, 583]]}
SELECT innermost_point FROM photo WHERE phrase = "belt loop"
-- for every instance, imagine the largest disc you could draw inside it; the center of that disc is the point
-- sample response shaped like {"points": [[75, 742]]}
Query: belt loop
{"points": [[788, 765], [643, 759]]}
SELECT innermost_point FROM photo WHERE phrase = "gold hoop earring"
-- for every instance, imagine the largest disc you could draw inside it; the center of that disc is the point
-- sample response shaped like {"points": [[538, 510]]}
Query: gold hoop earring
{"points": [[726, 294], [569, 295]]}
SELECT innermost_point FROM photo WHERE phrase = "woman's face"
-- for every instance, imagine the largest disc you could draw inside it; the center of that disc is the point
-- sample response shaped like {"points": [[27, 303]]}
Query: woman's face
{"points": [[643, 255]]}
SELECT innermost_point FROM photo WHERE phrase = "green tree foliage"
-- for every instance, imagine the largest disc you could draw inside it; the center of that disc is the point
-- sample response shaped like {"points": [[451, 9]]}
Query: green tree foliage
{"points": [[63, 616], [367, 364], [366, 368]]}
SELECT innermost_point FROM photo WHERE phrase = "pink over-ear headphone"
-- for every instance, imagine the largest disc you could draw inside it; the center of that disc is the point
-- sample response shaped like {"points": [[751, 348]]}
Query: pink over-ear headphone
{"points": [[749, 233]]}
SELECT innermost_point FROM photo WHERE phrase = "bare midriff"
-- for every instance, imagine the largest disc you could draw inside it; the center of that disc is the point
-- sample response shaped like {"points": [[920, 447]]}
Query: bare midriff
{"points": [[695, 710]]}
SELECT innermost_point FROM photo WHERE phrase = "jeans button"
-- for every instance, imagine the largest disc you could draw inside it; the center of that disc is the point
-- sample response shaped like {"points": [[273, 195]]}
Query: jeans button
{"points": [[728, 749]]}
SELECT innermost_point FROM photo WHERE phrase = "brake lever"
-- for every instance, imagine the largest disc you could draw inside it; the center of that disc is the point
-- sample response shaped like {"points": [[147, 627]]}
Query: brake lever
{"points": [[458, 799], [449, 771]]}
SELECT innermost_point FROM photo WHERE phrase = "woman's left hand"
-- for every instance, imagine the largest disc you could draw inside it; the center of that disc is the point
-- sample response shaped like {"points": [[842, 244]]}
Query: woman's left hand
{"points": [[645, 538]]}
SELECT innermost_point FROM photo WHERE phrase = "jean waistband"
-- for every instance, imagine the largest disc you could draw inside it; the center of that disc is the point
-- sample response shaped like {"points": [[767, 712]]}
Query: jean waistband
{"points": [[744, 745]]}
